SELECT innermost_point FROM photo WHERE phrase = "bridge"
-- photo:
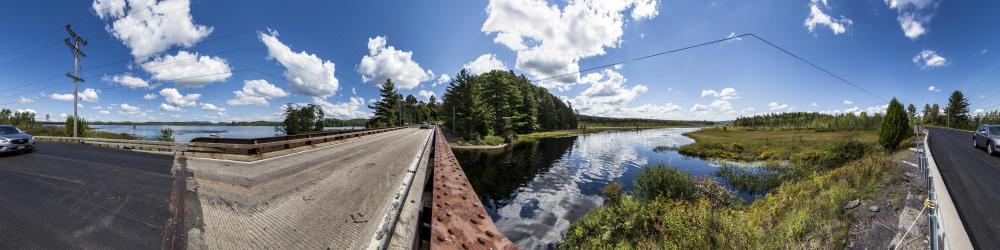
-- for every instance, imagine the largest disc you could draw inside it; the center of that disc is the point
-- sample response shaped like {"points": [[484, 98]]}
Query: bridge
{"points": [[395, 188], [964, 183]]}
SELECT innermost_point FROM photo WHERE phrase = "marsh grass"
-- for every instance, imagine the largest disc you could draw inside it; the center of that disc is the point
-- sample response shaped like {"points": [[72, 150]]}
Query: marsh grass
{"points": [[802, 210], [804, 213]]}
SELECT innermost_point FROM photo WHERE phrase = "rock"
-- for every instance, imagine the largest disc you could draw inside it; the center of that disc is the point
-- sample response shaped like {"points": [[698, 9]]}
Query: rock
{"points": [[852, 204], [873, 208]]}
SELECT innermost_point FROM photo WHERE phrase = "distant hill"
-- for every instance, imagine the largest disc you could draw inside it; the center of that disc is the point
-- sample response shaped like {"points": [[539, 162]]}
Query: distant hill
{"points": [[597, 121]]}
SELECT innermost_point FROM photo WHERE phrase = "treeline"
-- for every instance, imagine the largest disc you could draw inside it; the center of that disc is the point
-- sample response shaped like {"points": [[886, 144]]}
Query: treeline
{"points": [[500, 103], [954, 115], [992, 117], [26, 121], [393, 109], [587, 121], [812, 121], [475, 107]]}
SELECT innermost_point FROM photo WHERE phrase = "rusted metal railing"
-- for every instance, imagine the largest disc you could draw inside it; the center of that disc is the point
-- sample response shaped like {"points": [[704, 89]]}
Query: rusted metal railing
{"points": [[458, 219]]}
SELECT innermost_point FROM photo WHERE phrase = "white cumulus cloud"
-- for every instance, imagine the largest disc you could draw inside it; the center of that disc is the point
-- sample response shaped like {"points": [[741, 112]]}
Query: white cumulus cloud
{"points": [[350, 109], [87, 95], [607, 93], [174, 97], [170, 108], [913, 15], [929, 59], [211, 107], [148, 26], [150, 96], [386, 62], [484, 63], [129, 109], [188, 69], [127, 80], [444, 78], [256, 92], [818, 18], [933, 89], [550, 41], [306, 73], [776, 106]]}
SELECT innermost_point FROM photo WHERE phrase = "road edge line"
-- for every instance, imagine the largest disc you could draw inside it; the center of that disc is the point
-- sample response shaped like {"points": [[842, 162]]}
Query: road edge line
{"points": [[383, 233], [957, 237]]}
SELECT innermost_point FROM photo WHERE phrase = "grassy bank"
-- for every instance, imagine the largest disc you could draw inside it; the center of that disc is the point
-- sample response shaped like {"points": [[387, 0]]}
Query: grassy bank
{"points": [[804, 211], [741, 144]]}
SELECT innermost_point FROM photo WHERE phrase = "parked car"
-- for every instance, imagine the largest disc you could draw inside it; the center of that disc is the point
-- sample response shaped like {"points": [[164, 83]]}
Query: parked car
{"points": [[13, 139], [989, 136], [425, 125]]}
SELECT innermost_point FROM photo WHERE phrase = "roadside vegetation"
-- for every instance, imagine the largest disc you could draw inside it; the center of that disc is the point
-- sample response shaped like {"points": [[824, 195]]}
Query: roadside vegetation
{"points": [[804, 210], [26, 121]]}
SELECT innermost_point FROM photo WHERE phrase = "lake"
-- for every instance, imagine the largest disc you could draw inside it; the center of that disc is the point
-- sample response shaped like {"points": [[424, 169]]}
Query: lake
{"points": [[186, 133], [535, 190]]}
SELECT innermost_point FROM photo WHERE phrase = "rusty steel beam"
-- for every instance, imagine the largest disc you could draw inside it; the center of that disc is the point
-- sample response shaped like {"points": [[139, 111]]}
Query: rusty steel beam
{"points": [[458, 219]]}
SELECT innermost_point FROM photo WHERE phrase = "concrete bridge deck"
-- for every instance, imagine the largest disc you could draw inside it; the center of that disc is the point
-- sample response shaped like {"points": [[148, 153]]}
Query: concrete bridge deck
{"points": [[334, 197], [369, 190]]}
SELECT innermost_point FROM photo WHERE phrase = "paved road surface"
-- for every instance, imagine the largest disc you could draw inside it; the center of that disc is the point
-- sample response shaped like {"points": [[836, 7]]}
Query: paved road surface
{"points": [[339, 208], [973, 179], [69, 196]]}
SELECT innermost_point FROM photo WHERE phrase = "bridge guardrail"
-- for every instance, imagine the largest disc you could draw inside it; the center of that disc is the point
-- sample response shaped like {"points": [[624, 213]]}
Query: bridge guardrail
{"points": [[227, 148], [946, 228], [458, 219]]}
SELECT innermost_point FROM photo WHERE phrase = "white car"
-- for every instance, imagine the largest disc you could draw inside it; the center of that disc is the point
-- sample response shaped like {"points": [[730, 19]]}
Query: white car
{"points": [[13, 139]]}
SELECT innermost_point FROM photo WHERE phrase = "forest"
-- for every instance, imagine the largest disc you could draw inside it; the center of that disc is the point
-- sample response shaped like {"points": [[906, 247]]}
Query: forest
{"points": [[476, 107]]}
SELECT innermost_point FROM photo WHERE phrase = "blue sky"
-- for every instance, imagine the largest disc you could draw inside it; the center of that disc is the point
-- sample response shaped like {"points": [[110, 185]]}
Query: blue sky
{"points": [[177, 60]]}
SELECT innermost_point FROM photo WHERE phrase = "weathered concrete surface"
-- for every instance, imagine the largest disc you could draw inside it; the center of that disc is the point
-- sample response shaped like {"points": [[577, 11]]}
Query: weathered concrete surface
{"points": [[331, 197], [71, 196]]}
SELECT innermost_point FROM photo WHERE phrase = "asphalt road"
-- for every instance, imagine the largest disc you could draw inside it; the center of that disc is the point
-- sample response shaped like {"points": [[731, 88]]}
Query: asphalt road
{"points": [[69, 196], [973, 180]]}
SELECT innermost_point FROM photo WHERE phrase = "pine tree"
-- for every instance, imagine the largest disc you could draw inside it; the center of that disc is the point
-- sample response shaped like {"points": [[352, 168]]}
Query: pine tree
{"points": [[957, 111], [387, 108], [895, 126]]}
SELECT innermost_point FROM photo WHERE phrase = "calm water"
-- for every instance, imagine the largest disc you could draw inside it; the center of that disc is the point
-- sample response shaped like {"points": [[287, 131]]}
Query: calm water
{"points": [[535, 190], [186, 133]]}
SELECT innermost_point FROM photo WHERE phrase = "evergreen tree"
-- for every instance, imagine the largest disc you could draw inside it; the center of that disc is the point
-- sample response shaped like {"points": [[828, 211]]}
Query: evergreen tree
{"points": [[895, 126], [302, 119], [928, 118], [957, 111], [387, 108]]}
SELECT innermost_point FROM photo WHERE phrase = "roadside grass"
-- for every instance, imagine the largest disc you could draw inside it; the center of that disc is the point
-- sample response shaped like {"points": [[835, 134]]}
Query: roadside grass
{"points": [[42, 130], [743, 144], [804, 213]]}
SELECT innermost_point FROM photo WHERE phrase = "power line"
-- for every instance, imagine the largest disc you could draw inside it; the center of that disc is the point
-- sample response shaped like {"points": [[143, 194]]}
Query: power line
{"points": [[117, 72], [129, 59], [165, 80], [714, 42]]}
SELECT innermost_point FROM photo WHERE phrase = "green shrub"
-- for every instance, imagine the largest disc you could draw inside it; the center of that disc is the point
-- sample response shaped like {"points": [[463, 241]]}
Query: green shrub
{"points": [[166, 134], [660, 181], [895, 127], [612, 193]]}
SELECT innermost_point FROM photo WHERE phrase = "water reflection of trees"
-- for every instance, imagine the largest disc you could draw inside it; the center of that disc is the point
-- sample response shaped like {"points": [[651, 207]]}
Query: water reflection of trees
{"points": [[496, 174]]}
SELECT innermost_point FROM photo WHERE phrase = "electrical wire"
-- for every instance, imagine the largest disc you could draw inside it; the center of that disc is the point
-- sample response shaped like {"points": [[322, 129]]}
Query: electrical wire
{"points": [[719, 41]]}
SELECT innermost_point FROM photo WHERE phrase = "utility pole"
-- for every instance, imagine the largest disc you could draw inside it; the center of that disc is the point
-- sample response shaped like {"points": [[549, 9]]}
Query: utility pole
{"points": [[77, 53]]}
